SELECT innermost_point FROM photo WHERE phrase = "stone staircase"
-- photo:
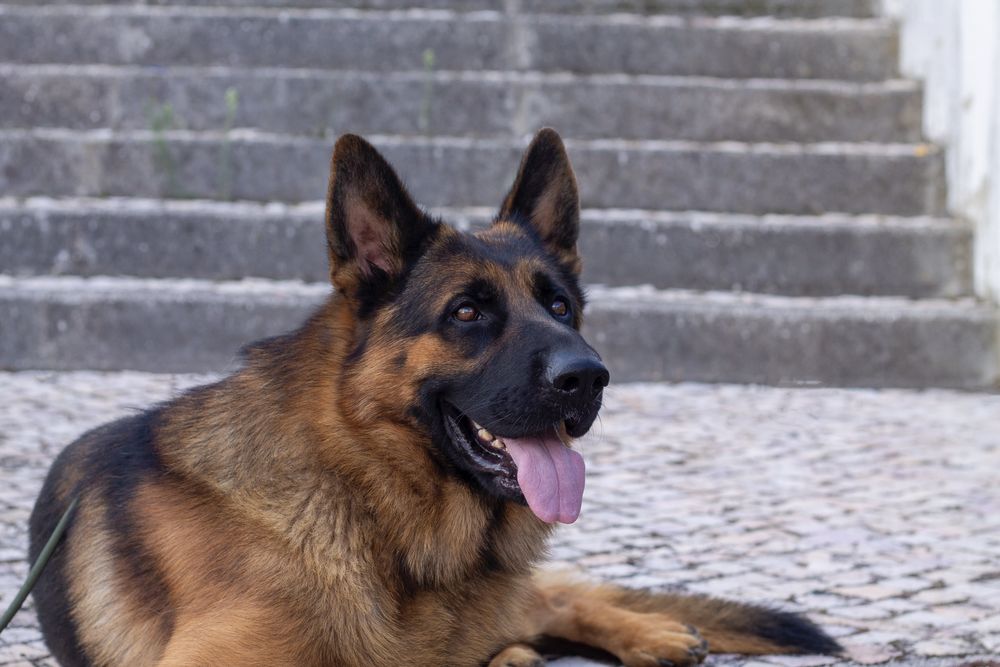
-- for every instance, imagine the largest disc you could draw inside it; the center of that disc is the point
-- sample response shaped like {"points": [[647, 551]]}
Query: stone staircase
{"points": [[760, 206]]}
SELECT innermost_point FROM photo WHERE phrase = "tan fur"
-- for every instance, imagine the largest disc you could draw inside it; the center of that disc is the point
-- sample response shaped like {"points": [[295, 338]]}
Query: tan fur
{"points": [[265, 482], [101, 609], [517, 655], [289, 521]]}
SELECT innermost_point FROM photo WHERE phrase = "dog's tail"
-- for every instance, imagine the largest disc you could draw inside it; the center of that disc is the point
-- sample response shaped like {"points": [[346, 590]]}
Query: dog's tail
{"points": [[735, 627]]}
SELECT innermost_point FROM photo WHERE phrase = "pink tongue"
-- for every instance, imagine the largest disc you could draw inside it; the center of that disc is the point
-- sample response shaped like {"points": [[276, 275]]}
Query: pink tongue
{"points": [[550, 475]]}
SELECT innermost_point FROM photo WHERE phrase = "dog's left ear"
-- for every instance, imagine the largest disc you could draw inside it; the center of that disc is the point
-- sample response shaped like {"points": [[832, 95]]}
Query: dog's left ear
{"points": [[373, 228], [545, 198]]}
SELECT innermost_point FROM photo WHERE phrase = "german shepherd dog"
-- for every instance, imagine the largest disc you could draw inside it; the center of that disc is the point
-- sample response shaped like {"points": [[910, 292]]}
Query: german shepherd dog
{"points": [[376, 487]]}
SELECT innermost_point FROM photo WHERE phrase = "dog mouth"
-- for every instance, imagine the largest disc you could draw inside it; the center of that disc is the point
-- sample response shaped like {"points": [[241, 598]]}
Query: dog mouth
{"points": [[540, 468]]}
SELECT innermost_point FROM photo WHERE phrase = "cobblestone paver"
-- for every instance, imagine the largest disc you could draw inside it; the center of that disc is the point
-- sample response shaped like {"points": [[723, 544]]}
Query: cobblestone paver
{"points": [[875, 512]]}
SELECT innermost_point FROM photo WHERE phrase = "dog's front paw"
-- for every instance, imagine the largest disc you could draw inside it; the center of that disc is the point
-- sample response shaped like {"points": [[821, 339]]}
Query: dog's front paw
{"points": [[517, 655], [656, 641]]}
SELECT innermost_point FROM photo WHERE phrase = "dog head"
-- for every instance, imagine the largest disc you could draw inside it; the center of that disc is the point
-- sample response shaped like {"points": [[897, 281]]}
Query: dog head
{"points": [[473, 338]]}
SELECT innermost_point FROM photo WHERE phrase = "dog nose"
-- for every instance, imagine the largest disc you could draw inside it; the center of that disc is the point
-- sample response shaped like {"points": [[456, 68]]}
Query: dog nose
{"points": [[578, 377]]}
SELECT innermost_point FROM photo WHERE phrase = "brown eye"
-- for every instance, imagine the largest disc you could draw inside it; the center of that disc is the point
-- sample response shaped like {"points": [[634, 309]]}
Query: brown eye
{"points": [[466, 313], [559, 308]]}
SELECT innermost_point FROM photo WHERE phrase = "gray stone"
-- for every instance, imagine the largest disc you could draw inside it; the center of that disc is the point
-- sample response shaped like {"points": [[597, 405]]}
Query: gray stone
{"points": [[824, 49], [148, 239], [145, 327], [66, 323], [821, 256], [661, 45], [767, 125], [458, 104], [829, 7], [787, 8], [248, 38], [753, 178], [876, 342]]}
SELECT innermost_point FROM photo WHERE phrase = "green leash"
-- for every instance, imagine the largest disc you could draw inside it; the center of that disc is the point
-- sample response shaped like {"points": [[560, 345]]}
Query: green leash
{"points": [[40, 563]]}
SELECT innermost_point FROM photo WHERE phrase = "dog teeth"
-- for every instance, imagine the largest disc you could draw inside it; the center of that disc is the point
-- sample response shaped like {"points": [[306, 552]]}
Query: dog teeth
{"points": [[487, 437], [483, 434]]}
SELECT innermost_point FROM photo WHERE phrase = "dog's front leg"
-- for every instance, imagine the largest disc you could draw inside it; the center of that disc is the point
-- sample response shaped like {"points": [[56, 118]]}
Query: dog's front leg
{"points": [[644, 628], [517, 655], [590, 615]]}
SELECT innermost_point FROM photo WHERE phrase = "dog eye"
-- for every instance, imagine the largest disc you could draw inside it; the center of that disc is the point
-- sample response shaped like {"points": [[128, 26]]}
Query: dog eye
{"points": [[559, 308], [467, 313]]}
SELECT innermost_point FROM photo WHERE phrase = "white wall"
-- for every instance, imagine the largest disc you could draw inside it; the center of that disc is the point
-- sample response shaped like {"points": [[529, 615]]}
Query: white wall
{"points": [[954, 47]]}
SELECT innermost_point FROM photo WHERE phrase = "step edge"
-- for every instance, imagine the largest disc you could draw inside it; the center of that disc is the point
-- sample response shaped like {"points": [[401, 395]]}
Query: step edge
{"points": [[519, 77], [916, 150], [876, 25], [464, 215], [98, 288]]}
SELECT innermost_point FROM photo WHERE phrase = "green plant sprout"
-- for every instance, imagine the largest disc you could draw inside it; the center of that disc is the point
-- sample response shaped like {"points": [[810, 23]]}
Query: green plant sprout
{"points": [[424, 121], [226, 153], [161, 119]]}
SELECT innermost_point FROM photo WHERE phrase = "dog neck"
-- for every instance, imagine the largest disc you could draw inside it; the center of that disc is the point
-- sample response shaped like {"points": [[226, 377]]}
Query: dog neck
{"points": [[292, 431]]}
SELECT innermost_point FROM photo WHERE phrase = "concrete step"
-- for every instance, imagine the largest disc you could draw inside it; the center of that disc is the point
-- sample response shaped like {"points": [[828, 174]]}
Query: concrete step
{"points": [[67, 323], [890, 179], [840, 341], [418, 40], [820, 256], [486, 104], [787, 8]]}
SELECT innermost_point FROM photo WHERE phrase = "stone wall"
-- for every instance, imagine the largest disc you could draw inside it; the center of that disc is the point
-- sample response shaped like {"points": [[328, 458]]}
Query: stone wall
{"points": [[954, 47]]}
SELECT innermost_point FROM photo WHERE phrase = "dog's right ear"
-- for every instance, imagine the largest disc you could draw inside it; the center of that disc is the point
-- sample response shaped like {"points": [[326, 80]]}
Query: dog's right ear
{"points": [[545, 199], [374, 231]]}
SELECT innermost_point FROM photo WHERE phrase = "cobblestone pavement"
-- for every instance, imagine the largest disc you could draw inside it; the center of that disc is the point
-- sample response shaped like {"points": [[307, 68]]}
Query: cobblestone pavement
{"points": [[876, 512]]}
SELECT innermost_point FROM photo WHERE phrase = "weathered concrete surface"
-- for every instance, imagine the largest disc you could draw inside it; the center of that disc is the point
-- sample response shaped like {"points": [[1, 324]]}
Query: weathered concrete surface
{"points": [[955, 48], [784, 8], [818, 256], [889, 179], [484, 104], [842, 341], [757, 149], [874, 512], [643, 334], [846, 49]]}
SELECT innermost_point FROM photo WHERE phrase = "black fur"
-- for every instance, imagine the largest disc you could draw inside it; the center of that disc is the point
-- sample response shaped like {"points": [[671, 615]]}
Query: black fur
{"points": [[121, 455], [51, 602], [792, 631]]}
